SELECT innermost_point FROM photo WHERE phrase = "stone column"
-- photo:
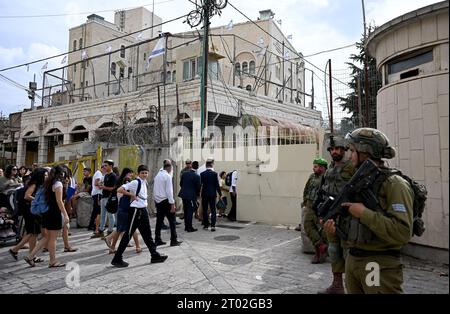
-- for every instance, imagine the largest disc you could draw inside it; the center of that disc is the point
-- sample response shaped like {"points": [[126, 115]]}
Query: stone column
{"points": [[20, 157], [66, 139], [42, 150]]}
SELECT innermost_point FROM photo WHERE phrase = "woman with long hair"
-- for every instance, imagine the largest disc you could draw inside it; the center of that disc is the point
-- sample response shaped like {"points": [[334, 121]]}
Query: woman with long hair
{"points": [[9, 184], [69, 186], [32, 222], [122, 215], [51, 220]]}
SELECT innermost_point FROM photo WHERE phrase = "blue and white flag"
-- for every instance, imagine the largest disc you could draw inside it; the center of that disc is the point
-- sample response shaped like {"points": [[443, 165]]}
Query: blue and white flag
{"points": [[108, 49], [230, 25], [159, 49], [289, 37], [287, 55], [64, 60], [44, 67], [84, 55], [139, 36]]}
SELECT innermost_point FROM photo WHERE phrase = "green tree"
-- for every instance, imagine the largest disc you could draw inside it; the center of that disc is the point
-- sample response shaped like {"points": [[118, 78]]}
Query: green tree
{"points": [[350, 103]]}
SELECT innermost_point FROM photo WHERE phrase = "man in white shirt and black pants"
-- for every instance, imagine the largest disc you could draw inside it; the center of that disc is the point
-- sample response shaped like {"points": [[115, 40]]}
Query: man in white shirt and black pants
{"points": [[165, 204], [138, 218], [233, 194]]}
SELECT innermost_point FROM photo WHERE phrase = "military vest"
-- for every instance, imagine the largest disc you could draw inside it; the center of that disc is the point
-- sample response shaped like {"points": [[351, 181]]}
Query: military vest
{"points": [[336, 177], [312, 188]]}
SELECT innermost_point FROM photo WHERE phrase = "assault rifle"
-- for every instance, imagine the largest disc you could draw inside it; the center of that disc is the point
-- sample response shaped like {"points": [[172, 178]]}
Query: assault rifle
{"points": [[360, 184]]}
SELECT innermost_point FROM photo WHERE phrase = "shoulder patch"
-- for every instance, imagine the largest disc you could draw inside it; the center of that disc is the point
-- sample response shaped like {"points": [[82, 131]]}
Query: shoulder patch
{"points": [[399, 208]]}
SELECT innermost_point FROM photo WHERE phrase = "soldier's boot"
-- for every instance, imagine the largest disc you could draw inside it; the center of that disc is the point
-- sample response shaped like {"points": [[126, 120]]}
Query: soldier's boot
{"points": [[321, 253], [337, 286]]}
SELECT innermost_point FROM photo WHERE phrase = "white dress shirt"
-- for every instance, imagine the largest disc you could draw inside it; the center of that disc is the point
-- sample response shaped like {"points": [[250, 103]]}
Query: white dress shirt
{"points": [[132, 186], [163, 188], [95, 190], [233, 181]]}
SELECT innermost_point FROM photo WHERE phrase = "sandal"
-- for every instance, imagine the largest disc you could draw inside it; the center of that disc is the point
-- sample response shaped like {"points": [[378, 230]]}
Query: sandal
{"points": [[38, 260], [56, 265], [29, 261], [69, 250], [138, 250], [13, 254]]}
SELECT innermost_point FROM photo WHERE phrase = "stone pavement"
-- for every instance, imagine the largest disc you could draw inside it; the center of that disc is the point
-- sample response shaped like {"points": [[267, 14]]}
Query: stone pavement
{"points": [[239, 258]]}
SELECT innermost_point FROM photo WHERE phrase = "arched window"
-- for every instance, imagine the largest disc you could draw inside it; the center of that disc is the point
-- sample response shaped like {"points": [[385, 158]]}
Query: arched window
{"points": [[81, 43], [252, 67], [74, 45], [130, 71], [237, 68], [122, 51], [122, 72], [174, 76], [244, 67], [113, 68], [169, 77]]}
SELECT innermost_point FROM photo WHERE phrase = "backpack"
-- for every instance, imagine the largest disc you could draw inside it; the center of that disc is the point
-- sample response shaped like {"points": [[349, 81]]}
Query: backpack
{"points": [[229, 178], [420, 197], [125, 201], [39, 205]]}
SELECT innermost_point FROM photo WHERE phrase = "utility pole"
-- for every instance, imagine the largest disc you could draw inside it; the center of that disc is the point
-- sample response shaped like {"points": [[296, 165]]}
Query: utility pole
{"points": [[331, 98], [366, 72], [312, 90], [32, 92], [204, 81], [125, 122]]}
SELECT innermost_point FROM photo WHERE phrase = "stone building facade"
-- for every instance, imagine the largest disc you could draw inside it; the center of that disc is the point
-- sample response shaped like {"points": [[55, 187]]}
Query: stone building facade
{"points": [[412, 53]]}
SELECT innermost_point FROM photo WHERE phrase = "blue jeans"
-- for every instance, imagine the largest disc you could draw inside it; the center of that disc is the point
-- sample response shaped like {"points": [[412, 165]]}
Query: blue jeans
{"points": [[111, 217]]}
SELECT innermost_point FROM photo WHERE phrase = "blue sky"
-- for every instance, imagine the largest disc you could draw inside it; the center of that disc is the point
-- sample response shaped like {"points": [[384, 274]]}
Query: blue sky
{"points": [[316, 25]]}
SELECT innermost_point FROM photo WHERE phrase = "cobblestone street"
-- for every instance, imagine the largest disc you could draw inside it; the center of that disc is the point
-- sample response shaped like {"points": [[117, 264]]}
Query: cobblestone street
{"points": [[239, 258]]}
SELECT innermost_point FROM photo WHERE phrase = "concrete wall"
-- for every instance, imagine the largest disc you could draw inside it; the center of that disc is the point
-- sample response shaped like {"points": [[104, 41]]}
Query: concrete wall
{"points": [[413, 112]]}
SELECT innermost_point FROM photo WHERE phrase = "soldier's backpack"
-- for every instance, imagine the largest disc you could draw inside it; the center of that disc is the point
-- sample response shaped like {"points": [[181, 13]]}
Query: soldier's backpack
{"points": [[420, 197], [39, 205], [229, 178]]}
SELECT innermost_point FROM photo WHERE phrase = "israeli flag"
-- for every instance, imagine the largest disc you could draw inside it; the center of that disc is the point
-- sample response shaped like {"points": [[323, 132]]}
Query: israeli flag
{"points": [[289, 37], [64, 60], [159, 49], [260, 42], [230, 25], [44, 67], [287, 55], [84, 55], [139, 37], [108, 49]]}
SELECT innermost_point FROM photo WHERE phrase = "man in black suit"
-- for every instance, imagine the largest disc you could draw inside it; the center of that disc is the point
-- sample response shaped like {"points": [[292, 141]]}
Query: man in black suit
{"points": [[210, 189], [190, 190]]}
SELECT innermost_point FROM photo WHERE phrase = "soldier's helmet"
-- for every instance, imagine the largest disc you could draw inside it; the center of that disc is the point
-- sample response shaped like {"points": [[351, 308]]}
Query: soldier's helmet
{"points": [[335, 141], [320, 162], [372, 142]]}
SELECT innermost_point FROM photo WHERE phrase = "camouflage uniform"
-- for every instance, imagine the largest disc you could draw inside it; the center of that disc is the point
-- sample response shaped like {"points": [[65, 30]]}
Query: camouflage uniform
{"points": [[311, 221], [380, 233], [334, 180]]}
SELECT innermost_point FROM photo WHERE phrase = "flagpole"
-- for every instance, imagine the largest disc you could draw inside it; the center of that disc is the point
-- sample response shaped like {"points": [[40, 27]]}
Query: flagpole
{"points": [[43, 89], [109, 72]]}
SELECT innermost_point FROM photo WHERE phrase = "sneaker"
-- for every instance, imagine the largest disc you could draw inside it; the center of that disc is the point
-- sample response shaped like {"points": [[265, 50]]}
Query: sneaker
{"points": [[119, 264], [205, 227], [158, 259], [164, 227], [160, 242], [213, 229], [191, 230], [175, 243]]}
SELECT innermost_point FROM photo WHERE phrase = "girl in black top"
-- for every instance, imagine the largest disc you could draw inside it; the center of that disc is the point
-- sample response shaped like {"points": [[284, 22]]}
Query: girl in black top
{"points": [[32, 222], [51, 220]]}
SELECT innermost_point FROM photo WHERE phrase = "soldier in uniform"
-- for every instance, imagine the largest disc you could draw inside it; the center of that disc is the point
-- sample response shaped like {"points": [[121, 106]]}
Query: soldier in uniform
{"points": [[311, 220], [340, 171], [376, 235]]}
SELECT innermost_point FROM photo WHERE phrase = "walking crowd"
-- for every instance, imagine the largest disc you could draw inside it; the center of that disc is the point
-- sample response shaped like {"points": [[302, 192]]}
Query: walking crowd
{"points": [[45, 198], [356, 210]]}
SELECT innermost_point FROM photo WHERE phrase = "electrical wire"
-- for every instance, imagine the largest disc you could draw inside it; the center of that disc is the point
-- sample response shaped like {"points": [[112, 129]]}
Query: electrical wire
{"points": [[94, 45], [80, 13]]}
